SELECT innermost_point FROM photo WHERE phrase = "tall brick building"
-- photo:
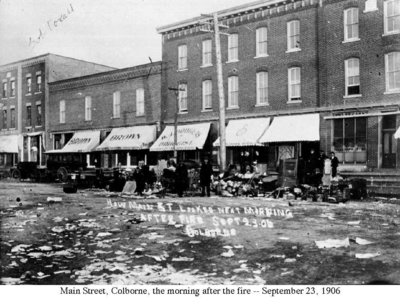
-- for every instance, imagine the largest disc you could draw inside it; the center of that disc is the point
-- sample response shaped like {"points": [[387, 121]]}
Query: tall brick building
{"points": [[332, 64], [110, 118], [24, 103]]}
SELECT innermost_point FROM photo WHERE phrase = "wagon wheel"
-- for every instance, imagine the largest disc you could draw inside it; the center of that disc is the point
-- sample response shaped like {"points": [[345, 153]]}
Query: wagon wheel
{"points": [[62, 174], [16, 174]]}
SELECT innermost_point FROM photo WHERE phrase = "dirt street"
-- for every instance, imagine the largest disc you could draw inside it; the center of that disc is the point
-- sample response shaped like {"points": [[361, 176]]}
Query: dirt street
{"points": [[94, 237]]}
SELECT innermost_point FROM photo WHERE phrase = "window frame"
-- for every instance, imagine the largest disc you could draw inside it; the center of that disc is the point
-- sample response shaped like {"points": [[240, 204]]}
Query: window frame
{"points": [[291, 36], [347, 24], [38, 114], [116, 105], [28, 118], [29, 84], [261, 40], [233, 93], [259, 100], [207, 95], [39, 83], [182, 98], [292, 98], [233, 47], [88, 108], [12, 88], [62, 111], [386, 17], [347, 76], [182, 58], [206, 53], [388, 71], [140, 102], [12, 118], [4, 115], [4, 89]]}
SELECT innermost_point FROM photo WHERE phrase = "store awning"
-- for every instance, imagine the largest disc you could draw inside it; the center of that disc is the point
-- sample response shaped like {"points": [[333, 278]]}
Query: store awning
{"points": [[190, 137], [9, 144], [245, 132], [129, 138], [293, 128], [81, 142], [397, 134]]}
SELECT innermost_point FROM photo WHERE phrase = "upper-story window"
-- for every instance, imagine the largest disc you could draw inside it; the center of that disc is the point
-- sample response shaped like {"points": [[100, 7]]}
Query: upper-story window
{"points": [[4, 126], [182, 98], [262, 42], [392, 16], [207, 55], [29, 115], [62, 112], [12, 85], [88, 108], [352, 75], [392, 68], [233, 92], [182, 57], [116, 104], [294, 81], [262, 88], [38, 82], [207, 94], [139, 101], [12, 118], [28, 84], [293, 35], [233, 47], [38, 114], [4, 90], [351, 24]]}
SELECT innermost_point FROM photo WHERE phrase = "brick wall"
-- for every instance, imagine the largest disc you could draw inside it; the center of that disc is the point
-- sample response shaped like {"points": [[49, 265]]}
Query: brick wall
{"points": [[8, 102]]}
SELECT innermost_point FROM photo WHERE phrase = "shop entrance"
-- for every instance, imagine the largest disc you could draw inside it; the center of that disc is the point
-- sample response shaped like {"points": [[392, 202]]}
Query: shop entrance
{"points": [[389, 143]]}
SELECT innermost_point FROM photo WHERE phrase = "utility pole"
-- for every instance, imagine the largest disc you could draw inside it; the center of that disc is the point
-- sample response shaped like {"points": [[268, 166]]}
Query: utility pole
{"points": [[222, 135], [176, 91]]}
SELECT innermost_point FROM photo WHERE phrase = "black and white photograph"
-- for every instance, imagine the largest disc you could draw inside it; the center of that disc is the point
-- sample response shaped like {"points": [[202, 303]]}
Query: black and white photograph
{"points": [[200, 148]]}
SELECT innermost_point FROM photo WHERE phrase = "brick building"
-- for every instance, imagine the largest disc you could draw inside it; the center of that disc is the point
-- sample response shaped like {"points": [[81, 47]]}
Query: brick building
{"points": [[24, 103], [334, 62], [109, 118]]}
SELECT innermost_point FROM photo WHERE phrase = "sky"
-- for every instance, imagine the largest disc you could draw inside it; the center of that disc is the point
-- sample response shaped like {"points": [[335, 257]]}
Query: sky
{"points": [[117, 33]]}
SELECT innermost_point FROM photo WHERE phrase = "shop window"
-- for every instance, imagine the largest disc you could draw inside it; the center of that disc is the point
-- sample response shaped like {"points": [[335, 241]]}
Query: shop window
{"points": [[350, 140]]}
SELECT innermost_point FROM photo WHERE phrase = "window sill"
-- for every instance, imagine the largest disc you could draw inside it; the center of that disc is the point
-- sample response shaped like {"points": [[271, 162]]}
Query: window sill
{"points": [[206, 110], [261, 56], [12, 96], [38, 92], [140, 115], [233, 108], [293, 50], [261, 105], [183, 112], [352, 96], [38, 126], [115, 117], [369, 11], [232, 61], [351, 40], [88, 121], [182, 70], [392, 92], [391, 33], [28, 94], [29, 126], [206, 66], [294, 102]]}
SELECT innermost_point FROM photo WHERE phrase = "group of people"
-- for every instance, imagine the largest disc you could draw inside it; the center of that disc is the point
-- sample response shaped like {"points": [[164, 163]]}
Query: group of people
{"points": [[179, 174], [314, 167]]}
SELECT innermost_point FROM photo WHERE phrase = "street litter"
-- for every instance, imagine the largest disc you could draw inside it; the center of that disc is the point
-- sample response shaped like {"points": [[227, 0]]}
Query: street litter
{"points": [[58, 229], [354, 222], [290, 260], [333, 243], [228, 254], [182, 259], [284, 238], [104, 234], [361, 241], [277, 256], [193, 242], [54, 199], [367, 255], [19, 248], [45, 248]]}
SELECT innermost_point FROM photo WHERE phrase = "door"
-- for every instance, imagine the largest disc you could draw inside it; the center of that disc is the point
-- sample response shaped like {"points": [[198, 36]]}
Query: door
{"points": [[389, 149]]}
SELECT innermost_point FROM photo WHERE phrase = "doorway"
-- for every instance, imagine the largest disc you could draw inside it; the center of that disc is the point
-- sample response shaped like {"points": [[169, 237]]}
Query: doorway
{"points": [[389, 143]]}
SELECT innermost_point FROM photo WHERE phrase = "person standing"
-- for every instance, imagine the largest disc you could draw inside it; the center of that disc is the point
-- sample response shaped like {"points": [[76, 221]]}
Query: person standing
{"points": [[181, 179], [334, 164], [205, 177]]}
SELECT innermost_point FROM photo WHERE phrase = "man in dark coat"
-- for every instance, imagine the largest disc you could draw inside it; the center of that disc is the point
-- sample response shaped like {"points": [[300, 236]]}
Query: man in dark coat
{"points": [[181, 180], [334, 164], [205, 177]]}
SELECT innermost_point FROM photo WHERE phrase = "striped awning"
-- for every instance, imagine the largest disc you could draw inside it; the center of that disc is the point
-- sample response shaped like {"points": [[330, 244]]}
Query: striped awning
{"points": [[246, 132], [190, 137], [129, 138], [81, 142]]}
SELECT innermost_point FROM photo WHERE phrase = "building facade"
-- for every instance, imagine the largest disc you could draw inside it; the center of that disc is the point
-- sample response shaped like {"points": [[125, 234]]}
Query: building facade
{"points": [[24, 103], [117, 111], [335, 62]]}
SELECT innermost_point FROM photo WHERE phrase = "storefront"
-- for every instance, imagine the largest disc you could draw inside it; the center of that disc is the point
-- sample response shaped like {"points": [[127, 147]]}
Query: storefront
{"points": [[193, 142], [34, 148], [8, 151], [291, 137], [127, 146], [242, 141]]}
